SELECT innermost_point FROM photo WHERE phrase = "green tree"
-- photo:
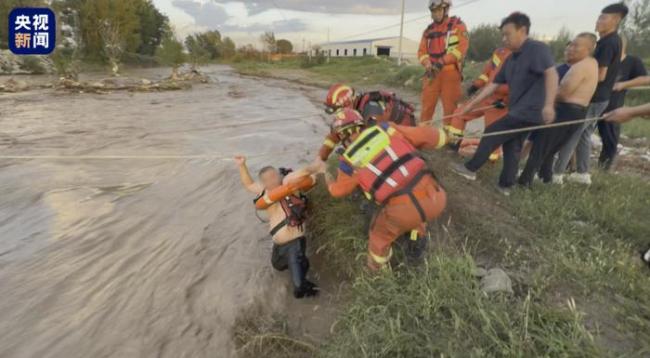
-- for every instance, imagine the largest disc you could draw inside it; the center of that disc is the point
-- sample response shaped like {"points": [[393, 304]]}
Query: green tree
{"points": [[559, 43], [268, 39], [284, 46], [484, 39], [198, 54], [154, 26], [228, 48], [170, 53], [637, 28], [210, 41], [119, 17], [5, 8]]}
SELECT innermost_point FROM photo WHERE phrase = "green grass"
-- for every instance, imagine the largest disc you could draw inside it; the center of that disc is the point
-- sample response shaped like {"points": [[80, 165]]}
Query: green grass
{"points": [[638, 128], [363, 72], [580, 289], [579, 284]]}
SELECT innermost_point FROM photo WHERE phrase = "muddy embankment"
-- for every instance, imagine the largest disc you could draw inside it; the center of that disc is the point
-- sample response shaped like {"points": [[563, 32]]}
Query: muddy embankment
{"points": [[141, 257]]}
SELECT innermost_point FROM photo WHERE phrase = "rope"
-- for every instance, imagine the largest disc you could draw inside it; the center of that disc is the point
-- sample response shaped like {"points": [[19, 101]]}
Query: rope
{"points": [[529, 129], [461, 114], [143, 157]]}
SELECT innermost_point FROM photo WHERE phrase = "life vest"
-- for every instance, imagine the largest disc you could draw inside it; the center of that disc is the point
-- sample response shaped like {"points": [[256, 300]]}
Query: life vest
{"points": [[292, 200], [385, 163], [399, 111], [440, 38]]}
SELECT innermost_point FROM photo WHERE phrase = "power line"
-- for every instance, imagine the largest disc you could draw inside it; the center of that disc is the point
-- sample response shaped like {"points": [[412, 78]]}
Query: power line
{"points": [[468, 2]]}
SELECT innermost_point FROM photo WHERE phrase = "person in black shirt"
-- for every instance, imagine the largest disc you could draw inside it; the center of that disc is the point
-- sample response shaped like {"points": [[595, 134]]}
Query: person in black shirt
{"points": [[631, 68], [608, 54], [530, 72]]}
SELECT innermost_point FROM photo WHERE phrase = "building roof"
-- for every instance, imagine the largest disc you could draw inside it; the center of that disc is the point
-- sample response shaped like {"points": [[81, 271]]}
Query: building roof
{"points": [[360, 41]]}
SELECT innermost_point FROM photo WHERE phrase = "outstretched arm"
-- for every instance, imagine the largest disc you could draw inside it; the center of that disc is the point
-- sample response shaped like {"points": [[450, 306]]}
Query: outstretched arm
{"points": [[485, 93], [245, 176], [637, 82], [627, 114]]}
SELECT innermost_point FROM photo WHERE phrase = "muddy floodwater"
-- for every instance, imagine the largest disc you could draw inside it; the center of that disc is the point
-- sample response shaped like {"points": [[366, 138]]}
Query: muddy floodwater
{"points": [[140, 257]]}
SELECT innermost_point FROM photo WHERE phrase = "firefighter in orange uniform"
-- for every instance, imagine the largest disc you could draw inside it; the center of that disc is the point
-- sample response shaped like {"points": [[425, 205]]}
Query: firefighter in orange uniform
{"points": [[442, 50], [499, 99], [383, 161], [375, 106]]}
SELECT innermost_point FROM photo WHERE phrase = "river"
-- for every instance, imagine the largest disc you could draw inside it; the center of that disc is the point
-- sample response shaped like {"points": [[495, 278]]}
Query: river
{"points": [[140, 257]]}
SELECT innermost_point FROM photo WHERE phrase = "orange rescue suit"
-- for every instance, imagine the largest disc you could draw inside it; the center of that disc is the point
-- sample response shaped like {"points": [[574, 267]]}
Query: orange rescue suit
{"points": [[402, 213], [446, 45], [490, 71]]}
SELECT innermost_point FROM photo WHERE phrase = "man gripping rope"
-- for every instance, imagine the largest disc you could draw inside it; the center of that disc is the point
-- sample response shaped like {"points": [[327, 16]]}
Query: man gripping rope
{"points": [[442, 50], [533, 80]]}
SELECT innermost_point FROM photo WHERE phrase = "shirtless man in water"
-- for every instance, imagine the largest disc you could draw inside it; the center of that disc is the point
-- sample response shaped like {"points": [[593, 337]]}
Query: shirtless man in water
{"points": [[289, 241], [575, 92]]}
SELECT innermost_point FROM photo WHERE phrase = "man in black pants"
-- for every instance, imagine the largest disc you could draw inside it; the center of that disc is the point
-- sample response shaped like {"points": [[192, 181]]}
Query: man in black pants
{"points": [[577, 87], [632, 73], [530, 73]]}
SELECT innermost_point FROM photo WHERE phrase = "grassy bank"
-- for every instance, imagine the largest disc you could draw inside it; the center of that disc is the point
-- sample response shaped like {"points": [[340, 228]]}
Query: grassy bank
{"points": [[580, 289], [369, 72]]}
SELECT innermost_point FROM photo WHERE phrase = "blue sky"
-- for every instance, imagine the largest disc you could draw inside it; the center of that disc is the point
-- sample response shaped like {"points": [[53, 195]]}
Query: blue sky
{"points": [[296, 20]]}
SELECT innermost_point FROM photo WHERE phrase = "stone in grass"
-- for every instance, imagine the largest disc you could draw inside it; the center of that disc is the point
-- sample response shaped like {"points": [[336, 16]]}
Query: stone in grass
{"points": [[496, 280], [479, 272]]}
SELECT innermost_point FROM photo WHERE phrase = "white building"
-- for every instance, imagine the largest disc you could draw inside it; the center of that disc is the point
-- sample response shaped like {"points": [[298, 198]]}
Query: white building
{"points": [[387, 46]]}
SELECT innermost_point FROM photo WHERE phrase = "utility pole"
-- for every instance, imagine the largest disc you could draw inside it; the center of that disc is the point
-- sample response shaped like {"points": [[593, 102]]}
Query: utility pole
{"points": [[401, 35], [329, 50]]}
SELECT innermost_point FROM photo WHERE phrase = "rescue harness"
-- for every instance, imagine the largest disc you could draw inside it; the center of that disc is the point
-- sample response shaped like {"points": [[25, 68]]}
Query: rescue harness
{"points": [[291, 198], [387, 165], [400, 112]]}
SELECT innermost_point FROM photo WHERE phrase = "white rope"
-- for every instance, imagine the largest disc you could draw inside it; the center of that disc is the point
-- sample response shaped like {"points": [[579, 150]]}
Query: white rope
{"points": [[137, 157], [533, 128]]}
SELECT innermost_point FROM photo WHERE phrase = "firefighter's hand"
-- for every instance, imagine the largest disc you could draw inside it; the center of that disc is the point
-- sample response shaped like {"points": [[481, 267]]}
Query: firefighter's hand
{"points": [[548, 114], [435, 69], [427, 65], [452, 138], [499, 104], [471, 91]]}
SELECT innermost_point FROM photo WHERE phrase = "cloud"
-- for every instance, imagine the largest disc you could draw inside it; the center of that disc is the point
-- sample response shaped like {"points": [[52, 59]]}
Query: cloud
{"points": [[205, 14], [234, 17], [377, 7]]}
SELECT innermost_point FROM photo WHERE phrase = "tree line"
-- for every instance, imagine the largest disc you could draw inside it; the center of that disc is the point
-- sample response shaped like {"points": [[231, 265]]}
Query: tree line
{"points": [[636, 28]]}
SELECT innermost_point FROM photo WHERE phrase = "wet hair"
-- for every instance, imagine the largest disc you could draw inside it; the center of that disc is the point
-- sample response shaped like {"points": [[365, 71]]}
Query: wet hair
{"points": [[265, 169], [618, 8], [519, 19], [591, 37]]}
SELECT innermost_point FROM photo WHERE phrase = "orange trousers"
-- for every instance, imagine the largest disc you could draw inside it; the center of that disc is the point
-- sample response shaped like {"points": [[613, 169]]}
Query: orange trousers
{"points": [[446, 87], [400, 216], [469, 146], [492, 115]]}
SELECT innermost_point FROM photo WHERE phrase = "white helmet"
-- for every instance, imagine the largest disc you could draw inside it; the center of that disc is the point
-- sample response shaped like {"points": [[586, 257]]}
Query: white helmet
{"points": [[437, 3]]}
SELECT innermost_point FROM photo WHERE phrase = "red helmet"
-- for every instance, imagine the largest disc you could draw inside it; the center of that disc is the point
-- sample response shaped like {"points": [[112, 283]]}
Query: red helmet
{"points": [[339, 96], [347, 121]]}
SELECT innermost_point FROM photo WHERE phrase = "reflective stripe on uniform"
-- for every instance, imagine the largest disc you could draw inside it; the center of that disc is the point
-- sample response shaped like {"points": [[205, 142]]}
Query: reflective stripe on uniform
{"points": [[328, 143], [335, 96], [424, 57], [381, 260], [496, 61], [456, 53], [484, 78], [442, 138]]}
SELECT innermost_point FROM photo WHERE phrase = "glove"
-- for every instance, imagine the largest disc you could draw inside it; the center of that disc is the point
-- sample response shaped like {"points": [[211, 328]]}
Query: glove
{"points": [[472, 91], [499, 104]]}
